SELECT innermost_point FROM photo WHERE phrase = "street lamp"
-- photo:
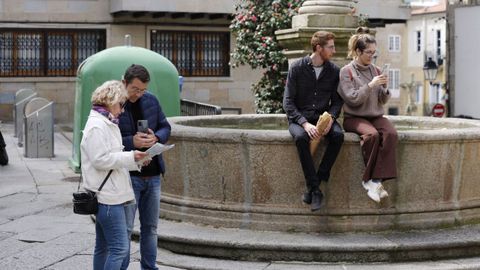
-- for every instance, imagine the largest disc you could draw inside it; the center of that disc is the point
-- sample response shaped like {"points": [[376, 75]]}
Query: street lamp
{"points": [[430, 70]]}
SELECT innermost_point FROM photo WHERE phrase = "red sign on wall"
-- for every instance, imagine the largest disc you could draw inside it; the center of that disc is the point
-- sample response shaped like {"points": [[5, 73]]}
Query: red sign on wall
{"points": [[438, 110]]}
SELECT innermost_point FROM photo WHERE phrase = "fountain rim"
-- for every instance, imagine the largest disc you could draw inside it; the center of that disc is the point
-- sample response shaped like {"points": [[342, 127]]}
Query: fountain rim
{"points": [[457, 128]]}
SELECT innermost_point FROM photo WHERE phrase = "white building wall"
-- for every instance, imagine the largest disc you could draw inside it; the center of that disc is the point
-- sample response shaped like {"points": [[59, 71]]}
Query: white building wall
{"points": [[385, 9], [467, 41], [428, 26]]}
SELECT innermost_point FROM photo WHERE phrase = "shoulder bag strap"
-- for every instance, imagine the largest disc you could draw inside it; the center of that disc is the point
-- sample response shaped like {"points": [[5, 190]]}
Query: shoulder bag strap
{"points": [[101, 186], [105, 180], [350, 73]]}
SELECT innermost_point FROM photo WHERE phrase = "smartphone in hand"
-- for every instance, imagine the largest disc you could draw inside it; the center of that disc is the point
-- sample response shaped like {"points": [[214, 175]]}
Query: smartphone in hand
{"points": [[385, 69], [142, 126]]}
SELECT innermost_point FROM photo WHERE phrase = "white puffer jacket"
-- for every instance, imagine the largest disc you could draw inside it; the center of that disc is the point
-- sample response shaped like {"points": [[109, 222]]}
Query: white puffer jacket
{"points": [[101, 150]]}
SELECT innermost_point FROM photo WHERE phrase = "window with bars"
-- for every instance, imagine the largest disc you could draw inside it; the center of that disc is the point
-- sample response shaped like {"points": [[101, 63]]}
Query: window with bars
{"points": [[419, 41], [46, 53], [195, 54], [394, 43], [439, 47]]}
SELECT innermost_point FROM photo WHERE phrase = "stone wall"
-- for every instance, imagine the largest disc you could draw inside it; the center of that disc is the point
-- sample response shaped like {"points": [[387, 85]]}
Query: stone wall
{"points": [[47, 11], [250, 177], [59, 90]]}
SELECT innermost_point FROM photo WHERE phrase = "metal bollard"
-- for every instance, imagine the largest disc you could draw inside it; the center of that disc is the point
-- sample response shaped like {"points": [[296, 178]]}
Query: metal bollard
{"points": [[39, 138]]}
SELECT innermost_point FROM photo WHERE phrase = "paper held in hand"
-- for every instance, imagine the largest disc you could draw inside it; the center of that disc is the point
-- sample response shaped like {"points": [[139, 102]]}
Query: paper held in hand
{"points": [[156, 149]]}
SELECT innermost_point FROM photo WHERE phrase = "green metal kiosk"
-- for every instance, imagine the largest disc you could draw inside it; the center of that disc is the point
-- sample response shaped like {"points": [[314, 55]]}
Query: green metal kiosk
{"points": [[110, 64]]}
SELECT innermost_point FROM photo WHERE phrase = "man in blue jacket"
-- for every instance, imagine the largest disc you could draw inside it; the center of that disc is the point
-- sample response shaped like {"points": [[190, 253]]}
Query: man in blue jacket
{"points": [[142, 105]]}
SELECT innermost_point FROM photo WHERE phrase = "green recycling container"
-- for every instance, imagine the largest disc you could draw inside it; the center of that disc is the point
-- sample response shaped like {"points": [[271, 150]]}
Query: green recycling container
{"points": [[110, 64]]}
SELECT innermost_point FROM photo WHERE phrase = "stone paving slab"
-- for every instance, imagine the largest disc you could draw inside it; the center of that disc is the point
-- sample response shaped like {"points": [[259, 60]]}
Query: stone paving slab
{"points": [[42, 234], [27, 203], [28, 223], [76, 262], [49, 253], [3, 220], [12, 246], [5, 235]]}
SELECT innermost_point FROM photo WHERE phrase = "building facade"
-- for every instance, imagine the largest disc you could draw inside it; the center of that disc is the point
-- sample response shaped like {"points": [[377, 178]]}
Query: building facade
{"points": [[407, 42], [43, 42], [426, 31]]}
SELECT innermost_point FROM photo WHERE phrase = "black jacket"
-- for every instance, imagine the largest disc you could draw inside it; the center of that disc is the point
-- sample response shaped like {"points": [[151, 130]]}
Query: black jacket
{"points": [[306, 97]]}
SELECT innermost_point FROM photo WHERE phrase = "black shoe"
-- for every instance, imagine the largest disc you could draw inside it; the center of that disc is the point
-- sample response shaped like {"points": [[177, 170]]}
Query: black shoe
{"points": [[317, 198], [307, 197]]}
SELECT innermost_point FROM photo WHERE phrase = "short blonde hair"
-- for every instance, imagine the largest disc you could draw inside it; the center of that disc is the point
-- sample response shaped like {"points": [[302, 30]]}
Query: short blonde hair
{"points": [[109, 94]]}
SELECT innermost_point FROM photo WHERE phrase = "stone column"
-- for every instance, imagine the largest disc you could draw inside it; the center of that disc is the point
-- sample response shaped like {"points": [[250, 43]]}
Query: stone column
{"points": [[333, 16]]}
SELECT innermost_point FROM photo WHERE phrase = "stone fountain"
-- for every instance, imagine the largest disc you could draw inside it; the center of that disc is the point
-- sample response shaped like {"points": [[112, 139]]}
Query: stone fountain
{"points": [[233, 184], [240, 175]]}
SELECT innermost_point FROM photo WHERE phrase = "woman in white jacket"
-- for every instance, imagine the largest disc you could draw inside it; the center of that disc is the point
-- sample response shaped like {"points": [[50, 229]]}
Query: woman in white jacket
{"points": [[101, 151]]}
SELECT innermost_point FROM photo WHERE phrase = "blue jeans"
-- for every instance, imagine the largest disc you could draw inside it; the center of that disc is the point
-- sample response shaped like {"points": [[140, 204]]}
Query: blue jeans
{"points": [[112, 242], [147, 196]]}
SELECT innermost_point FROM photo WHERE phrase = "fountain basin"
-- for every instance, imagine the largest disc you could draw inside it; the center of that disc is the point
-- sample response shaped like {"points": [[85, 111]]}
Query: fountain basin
{"points": [[243, 172]]}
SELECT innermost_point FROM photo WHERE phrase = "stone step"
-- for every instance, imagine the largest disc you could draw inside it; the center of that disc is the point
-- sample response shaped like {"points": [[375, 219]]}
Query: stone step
{"points": [[259, 246], [173, 261]]}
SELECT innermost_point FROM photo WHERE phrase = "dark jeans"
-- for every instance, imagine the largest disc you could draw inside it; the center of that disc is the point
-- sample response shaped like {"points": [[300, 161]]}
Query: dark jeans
{"points": [[302, 141]]}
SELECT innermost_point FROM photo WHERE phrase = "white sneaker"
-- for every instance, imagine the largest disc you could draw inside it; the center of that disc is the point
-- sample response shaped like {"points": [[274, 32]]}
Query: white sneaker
{"points": [[372, 190], [381, 190]]}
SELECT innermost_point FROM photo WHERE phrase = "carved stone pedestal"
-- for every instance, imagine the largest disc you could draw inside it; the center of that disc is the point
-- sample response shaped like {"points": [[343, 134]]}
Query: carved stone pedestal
{"points": [[333, 16]]}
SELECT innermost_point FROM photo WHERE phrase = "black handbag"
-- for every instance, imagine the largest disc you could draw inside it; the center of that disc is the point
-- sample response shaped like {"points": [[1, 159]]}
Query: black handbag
{"points": [[85, 202]]}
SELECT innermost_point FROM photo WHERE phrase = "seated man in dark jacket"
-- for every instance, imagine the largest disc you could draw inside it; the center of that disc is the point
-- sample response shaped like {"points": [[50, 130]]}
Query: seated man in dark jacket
{"points": [[141, 105], [311, 90]]}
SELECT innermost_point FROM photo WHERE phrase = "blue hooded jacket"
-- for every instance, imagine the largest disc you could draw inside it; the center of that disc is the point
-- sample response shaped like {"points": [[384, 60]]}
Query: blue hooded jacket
{"points": [[152, 111]]}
